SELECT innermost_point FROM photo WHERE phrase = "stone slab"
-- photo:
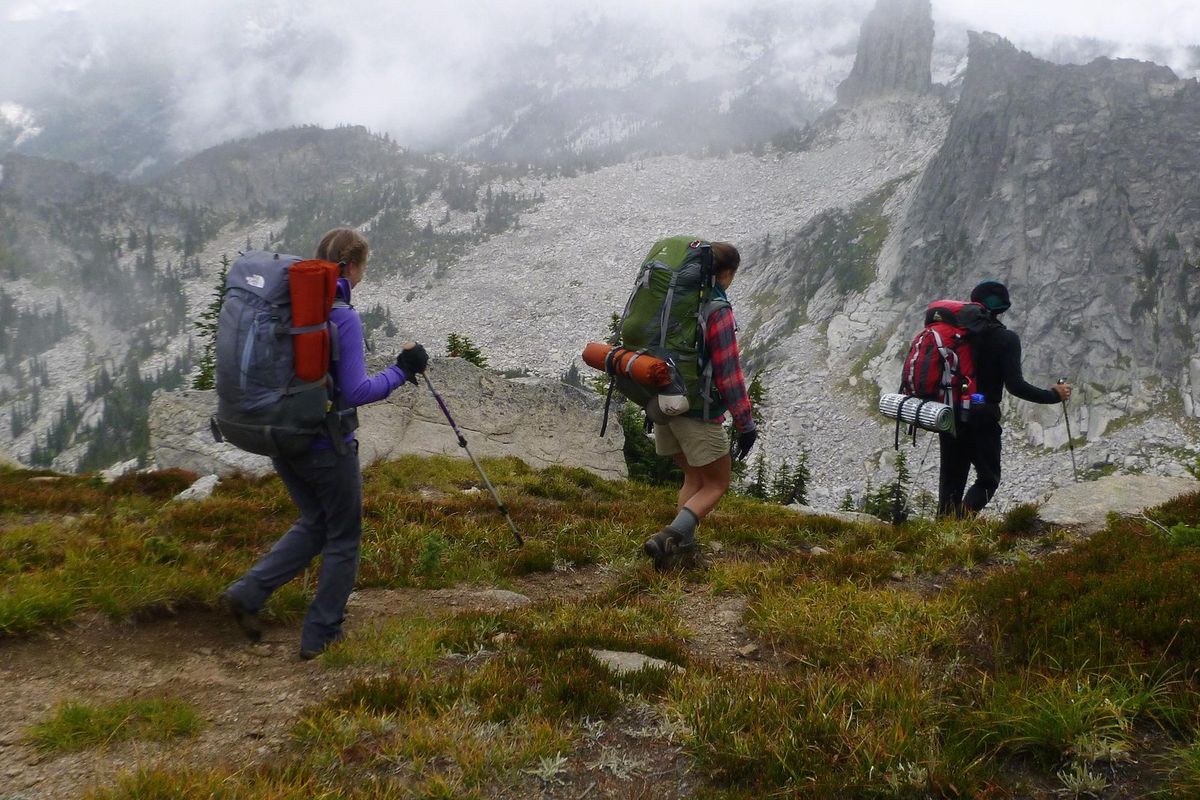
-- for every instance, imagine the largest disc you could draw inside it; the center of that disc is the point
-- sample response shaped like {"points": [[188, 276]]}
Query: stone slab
{"points": [[1086, 505]]}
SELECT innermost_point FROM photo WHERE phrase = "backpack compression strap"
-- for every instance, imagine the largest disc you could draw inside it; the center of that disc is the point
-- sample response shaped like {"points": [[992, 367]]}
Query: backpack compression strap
{"points": [[665, 320], [334, 417], [912, 427], [642, 281], [708, 308]]}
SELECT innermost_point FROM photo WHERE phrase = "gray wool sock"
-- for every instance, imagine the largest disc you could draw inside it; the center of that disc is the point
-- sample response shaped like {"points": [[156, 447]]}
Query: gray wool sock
{"points": [[685, 522]]}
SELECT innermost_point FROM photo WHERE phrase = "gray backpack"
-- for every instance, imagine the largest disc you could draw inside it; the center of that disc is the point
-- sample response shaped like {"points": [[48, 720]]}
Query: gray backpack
{"points": [[263, 407]]}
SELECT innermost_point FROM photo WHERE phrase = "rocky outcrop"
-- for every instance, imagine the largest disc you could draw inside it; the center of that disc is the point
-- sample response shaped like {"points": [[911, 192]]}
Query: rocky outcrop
{"points": [[1076, 186], [180, 437], [895, 51], [543, 423], [622, 663], [202, 489], [853, 517], [1087, 505]]}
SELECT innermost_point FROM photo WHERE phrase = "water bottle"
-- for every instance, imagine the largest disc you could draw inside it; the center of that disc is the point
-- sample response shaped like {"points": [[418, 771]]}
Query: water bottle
{"points": [[977, 399]]}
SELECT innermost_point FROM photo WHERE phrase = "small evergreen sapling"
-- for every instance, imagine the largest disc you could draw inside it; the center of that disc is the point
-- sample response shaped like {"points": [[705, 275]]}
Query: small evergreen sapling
{"points": [[458, 346], [890, 502], [207, 326]]}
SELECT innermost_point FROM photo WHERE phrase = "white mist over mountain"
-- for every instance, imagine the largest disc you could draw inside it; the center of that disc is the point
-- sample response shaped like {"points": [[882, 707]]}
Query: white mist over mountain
{"points": [[199, 72]]}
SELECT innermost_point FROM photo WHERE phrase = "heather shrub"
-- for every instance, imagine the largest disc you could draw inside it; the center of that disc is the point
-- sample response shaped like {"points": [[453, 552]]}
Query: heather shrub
{"points": [[160, 484], [1126, 594]]}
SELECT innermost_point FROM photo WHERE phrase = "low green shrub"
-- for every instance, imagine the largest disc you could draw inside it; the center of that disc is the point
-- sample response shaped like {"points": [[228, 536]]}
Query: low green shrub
{"points": [[1124, 595]]}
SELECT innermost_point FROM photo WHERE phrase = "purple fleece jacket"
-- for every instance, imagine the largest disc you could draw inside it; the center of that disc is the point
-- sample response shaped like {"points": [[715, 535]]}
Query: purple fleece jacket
{"points": [[350, 376], [355, 386]]}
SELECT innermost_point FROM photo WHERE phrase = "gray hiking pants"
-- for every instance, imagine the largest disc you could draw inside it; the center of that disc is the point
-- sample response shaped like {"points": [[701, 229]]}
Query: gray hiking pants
{"points": [[327, 488]]}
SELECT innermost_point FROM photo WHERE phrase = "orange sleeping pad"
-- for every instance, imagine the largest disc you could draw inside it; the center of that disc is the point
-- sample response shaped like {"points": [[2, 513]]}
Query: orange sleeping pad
{"points": [[641, 367], [312, 285]]}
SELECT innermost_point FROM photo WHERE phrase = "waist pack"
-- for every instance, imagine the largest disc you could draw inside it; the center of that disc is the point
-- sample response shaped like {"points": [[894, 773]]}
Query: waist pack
{"points": [[273, 350]]}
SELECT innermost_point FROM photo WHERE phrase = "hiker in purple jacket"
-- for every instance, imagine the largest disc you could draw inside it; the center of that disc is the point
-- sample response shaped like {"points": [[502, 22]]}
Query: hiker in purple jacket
{"points": [[326, 482]]}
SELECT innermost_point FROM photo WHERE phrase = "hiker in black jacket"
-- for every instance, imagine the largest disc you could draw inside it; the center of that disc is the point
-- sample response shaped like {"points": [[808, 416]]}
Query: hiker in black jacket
{"points": [[997, 355]]}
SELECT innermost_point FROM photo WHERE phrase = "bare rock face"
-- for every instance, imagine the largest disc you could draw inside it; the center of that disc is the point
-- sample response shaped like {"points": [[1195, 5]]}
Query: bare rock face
{"points": [[1076, 186], [895, 50], [856, 517], [543, 424], [180, 437], [1087, 505], [8, 461]]}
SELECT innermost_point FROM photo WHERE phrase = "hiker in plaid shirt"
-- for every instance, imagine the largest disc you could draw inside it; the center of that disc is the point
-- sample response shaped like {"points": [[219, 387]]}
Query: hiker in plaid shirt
{"points": [[698, 442]]}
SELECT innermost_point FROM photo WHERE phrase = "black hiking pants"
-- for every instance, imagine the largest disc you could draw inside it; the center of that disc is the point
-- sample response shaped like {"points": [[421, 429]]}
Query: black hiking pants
{"points": [[327, 489], [977, 445]]}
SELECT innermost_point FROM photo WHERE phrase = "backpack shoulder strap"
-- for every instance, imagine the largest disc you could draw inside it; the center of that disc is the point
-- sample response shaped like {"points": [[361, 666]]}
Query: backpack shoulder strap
{"points": [[707, 309], [714, 305]]}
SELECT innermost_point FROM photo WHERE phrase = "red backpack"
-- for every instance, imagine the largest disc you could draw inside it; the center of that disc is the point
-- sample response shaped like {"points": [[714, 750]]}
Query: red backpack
{"points": [[940, 365]]}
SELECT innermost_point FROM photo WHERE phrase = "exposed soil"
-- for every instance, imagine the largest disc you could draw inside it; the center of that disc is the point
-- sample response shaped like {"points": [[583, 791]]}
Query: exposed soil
{"points": [[251, 695]]}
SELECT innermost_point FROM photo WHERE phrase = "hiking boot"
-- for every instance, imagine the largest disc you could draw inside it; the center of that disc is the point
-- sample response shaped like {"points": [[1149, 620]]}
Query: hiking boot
{"points": [[309, 655], [656, 547], [682, 554], [246, 619], [668, 549]]}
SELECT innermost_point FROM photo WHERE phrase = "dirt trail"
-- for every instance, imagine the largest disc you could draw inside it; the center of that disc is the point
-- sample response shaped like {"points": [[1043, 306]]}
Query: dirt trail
{"points": [[251, 695]]}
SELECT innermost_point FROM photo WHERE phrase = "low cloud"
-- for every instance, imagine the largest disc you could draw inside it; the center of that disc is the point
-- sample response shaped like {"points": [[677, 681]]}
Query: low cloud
{"points": [[229, 68]]}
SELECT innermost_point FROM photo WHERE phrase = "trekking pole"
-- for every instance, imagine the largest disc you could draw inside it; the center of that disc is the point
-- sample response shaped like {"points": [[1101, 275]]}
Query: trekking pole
{"points": [[1070, 438], [462, 442]]}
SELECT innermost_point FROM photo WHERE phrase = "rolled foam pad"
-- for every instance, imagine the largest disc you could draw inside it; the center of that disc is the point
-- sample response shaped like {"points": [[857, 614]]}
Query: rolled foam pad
{"points": [[312, 285], [932, 415], [643, 368]]}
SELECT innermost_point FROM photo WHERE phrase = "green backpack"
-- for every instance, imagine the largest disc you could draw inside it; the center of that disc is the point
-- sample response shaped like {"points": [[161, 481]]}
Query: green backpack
{"points": [[666, 317]]}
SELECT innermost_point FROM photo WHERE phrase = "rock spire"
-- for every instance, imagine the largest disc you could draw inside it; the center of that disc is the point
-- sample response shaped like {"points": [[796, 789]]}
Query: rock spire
{"points": [[895, 50]]}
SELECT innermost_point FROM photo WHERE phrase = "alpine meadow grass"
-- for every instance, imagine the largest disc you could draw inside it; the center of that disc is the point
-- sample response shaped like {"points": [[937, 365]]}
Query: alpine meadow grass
{"points": [[78, 725], [927, 660]]}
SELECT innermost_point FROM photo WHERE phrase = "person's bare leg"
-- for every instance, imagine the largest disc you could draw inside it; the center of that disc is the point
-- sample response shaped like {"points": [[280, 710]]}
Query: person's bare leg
{"points": [[702, 489], [693, 481], [714, 482]]}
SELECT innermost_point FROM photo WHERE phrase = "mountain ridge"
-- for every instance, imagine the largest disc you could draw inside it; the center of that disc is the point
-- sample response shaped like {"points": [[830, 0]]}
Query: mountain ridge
{"points": [[840, 238]]}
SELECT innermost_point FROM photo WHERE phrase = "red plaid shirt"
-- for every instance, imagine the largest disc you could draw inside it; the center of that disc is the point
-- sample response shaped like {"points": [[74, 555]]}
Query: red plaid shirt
{"points": [[727, 368]]}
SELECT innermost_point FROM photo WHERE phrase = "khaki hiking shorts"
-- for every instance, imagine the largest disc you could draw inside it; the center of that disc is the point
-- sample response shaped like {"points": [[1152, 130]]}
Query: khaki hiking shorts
{"points": [[701, 442]]}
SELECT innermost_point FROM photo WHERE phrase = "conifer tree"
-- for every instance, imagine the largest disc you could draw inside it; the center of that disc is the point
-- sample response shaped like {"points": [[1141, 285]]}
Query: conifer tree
{"points": [[800, 479], [462, 347], [890, 503], [207, 326], [758, 486], [781, 483], [572, 377]]}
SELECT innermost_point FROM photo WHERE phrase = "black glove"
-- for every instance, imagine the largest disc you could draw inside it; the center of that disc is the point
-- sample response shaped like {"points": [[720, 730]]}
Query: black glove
{"points": [[412, 360], [744, 442]]}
